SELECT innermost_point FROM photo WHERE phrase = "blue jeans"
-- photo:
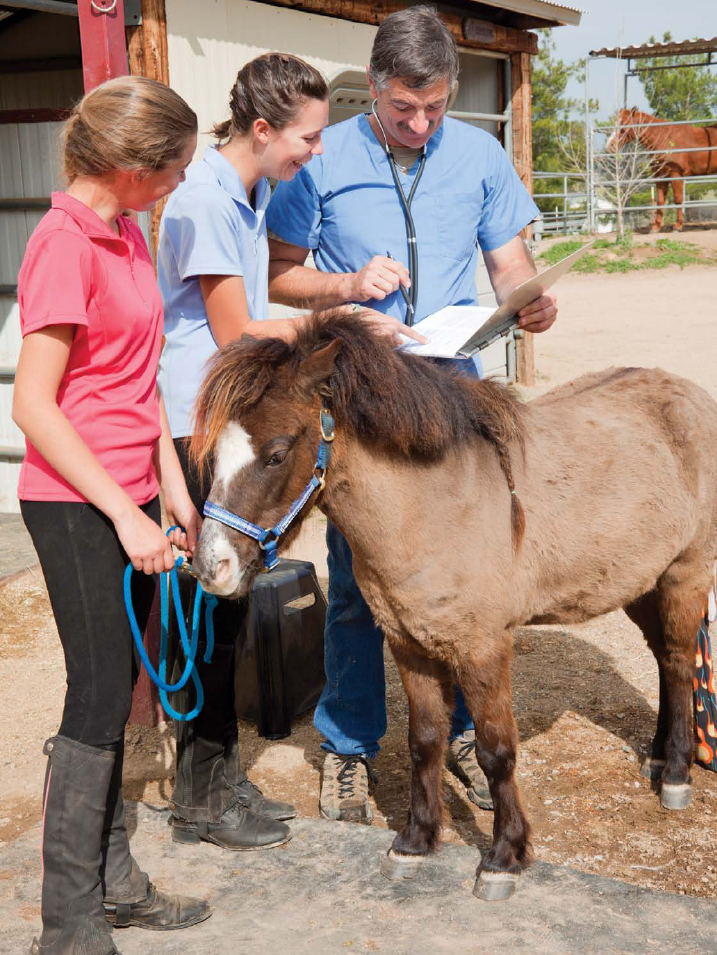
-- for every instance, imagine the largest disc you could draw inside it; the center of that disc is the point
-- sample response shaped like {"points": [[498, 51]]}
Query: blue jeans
{"points": [[351, 713]]}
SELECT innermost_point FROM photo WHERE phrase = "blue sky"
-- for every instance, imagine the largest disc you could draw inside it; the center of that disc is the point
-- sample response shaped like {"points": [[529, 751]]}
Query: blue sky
{"points": [[610, 23]]}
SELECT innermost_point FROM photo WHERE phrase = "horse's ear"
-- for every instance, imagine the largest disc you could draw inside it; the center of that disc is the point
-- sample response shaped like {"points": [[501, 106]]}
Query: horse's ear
{"points": [[315, 370]]}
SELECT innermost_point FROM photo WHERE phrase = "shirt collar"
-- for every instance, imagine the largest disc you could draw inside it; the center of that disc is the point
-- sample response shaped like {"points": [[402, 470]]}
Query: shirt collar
{"points": [[86, 218], [230, 181], [431, 146]]}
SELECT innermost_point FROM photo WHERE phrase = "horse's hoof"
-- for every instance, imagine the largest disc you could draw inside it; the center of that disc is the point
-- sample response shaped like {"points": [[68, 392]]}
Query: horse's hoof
{"points": [[675, 795], [495, 886], [396, 866], [652, 768]]}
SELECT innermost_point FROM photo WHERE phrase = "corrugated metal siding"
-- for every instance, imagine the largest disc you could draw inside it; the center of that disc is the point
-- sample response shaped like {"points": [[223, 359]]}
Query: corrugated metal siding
{"points": [[209, 42], [29, 167], [58, 89]]}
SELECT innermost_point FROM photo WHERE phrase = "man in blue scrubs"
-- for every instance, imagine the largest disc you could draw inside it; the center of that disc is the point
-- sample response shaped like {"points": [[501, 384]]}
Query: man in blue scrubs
{"points": [[343, 206]]}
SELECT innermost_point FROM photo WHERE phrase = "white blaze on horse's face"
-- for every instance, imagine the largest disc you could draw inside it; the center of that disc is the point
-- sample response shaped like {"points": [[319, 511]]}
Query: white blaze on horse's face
{"points": [[222, 573], [234, 452]]}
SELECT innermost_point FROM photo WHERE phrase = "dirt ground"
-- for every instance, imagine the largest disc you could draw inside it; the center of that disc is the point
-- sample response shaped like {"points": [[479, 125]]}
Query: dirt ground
{"points": [[585, 697]]}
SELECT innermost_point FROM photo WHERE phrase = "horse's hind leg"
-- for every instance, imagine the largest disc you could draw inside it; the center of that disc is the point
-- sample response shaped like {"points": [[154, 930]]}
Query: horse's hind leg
{"points": [[428, 686], [679, 600], [645, 614], [681, 596], [486, 685]]}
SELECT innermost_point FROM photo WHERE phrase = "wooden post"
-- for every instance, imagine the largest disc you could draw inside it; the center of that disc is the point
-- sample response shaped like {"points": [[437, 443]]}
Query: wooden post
{"points": [[523, 162], [148, 56]]}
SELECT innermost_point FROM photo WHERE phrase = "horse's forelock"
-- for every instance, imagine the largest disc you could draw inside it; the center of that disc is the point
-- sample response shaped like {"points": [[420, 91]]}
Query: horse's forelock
{"points": [[237, 378]]}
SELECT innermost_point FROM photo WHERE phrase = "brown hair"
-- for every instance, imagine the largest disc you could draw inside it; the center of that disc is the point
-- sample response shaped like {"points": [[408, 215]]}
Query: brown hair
{"points": [[272, 87], [127, 123]]}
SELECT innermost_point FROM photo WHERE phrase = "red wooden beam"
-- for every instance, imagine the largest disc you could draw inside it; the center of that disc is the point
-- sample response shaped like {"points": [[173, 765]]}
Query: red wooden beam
{"points": [[104, 53], [38, 114]]}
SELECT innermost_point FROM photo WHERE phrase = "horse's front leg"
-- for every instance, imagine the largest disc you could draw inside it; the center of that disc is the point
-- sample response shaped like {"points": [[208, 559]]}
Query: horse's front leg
{"points": [[678, 195], [659, 213], [428, 686], [486, 684]]}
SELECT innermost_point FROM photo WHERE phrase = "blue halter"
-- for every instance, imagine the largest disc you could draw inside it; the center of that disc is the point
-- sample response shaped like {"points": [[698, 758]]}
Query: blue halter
{"points": [[268, 538]]}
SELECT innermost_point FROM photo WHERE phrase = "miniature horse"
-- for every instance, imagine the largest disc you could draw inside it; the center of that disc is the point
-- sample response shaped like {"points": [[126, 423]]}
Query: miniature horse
{"points": [[659, 134], [469, 514]]}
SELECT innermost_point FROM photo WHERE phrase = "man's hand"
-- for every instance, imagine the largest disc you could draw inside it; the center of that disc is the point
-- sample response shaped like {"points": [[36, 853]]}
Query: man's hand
{"points": [[540, 314], [379, 278]]}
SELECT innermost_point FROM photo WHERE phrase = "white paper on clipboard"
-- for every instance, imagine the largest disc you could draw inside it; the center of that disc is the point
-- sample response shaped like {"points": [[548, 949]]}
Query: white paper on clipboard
{"points": [[461, 330]]}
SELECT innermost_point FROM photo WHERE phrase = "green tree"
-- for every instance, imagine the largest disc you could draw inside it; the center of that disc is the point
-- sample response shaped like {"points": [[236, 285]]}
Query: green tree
{"points": [[551, 108], [558, 128], [679, 93]]}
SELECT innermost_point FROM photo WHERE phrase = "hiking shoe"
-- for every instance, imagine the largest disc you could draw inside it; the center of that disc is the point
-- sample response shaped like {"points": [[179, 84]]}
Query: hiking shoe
{"points": [[344, 788], [251, 797], [239, 828], [462, 763]]}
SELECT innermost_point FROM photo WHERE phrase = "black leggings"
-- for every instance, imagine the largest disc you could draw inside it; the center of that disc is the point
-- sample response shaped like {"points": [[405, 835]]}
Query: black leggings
{"points": [[83, 563]]}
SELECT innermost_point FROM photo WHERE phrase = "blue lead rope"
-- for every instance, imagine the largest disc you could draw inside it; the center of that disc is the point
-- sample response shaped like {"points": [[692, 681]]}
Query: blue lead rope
{"points": [[189, 647]]}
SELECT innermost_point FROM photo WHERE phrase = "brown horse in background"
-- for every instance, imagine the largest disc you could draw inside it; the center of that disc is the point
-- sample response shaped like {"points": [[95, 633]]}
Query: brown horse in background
{"points": [[469, 514], [656, 135]]}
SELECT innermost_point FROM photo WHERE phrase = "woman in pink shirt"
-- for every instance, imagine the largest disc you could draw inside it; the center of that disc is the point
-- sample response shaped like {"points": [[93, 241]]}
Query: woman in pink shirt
{"points": [[97, 450]]}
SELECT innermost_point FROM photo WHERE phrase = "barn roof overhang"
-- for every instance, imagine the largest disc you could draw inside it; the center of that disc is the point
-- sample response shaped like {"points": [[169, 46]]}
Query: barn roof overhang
{"points": [[525, 14], [671, 48]]}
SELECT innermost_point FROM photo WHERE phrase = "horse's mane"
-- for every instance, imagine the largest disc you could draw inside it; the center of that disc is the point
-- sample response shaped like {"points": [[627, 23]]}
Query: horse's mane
{"points": [[397, 402]]}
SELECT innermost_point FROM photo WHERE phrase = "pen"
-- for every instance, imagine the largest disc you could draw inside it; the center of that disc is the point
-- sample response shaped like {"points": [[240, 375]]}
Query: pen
{"points": [[406, 299]]}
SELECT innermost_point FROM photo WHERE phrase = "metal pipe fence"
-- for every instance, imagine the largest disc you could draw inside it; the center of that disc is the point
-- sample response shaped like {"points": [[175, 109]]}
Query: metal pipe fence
{"points": [[579, 205]]}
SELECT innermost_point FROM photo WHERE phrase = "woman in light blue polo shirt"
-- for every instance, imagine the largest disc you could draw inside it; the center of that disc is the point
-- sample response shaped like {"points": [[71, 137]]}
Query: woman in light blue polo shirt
{"points": [[213, 273]]}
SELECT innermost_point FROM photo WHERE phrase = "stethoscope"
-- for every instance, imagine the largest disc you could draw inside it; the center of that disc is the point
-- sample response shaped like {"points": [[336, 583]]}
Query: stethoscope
{"points": [[410, 296]]}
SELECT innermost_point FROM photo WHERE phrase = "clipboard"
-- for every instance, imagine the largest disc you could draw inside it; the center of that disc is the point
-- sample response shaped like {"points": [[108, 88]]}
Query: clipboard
{"points": [[505, 316]]}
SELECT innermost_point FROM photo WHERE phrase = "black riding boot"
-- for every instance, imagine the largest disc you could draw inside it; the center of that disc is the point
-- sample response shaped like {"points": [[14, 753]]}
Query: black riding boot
{"points": [[129, 896], [206, 800], [76, 785]]}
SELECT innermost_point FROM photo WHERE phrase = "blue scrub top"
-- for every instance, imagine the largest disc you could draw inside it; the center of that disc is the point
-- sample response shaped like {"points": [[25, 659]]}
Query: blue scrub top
{"points": [[208, 228], [344, 206]]}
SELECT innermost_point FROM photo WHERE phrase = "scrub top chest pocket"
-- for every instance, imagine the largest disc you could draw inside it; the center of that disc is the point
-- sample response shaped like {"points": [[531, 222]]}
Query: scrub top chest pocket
{"points": [[457, 217]]}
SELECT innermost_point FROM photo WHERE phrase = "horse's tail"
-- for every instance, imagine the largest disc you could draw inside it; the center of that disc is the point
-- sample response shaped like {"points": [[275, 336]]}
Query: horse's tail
{"points": [[517, 514]]}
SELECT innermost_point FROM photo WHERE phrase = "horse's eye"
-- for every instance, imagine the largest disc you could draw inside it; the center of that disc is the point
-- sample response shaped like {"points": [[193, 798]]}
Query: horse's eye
{"points": [[277, 458]]}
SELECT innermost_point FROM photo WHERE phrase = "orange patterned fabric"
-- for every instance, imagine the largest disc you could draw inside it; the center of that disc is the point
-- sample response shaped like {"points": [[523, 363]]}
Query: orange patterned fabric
{"points": [[705, 701]]}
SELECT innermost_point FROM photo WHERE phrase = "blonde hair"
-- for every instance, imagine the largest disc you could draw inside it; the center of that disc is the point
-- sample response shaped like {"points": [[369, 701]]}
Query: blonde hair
{"points": [[274, 87], [127, 123]]}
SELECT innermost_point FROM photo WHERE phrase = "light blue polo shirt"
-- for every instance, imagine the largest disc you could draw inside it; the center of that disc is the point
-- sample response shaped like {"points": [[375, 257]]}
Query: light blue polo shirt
{"points": [[208, 228], [344, 206]]}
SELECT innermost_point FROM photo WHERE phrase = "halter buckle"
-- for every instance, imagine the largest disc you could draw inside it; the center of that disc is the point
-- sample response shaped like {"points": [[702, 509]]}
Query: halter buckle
{"points": [[326, 420]]}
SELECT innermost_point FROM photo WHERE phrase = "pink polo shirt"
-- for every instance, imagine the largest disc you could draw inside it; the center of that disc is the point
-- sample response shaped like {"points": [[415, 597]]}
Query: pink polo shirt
{"points": [[77, 271]]}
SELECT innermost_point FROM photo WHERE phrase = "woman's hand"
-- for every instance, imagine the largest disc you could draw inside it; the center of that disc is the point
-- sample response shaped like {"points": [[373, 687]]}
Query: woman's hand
{"points": [[183, 513], [391, 327], [145, 542]]}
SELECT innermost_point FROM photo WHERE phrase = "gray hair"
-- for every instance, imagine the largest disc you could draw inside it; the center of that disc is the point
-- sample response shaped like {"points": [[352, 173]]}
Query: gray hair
{"points": [[413, 45]]}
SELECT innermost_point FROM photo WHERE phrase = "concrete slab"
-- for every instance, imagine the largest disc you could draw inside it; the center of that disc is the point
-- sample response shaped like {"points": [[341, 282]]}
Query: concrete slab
{"points": [[322, 894], [16, 550]]}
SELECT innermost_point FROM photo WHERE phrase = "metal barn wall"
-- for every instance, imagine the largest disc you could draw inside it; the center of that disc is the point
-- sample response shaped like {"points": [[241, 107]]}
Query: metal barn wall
{"points": [[28, 169], [209, 42]]}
